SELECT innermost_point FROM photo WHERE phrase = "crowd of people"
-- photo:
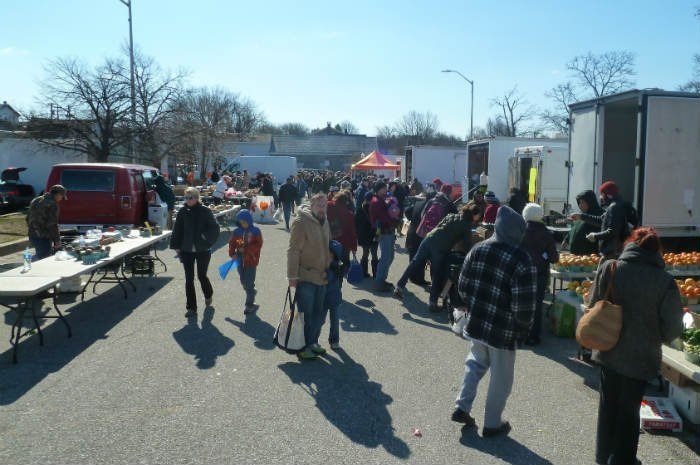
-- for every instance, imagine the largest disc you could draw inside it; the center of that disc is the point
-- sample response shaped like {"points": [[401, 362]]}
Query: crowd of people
{"points": [[502, 283]]}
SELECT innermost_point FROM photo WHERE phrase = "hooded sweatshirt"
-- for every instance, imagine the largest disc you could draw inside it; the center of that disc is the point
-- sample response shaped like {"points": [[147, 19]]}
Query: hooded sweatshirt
{"points": [[651, 311], [246, 242], [578, 244], [498, 283], [308, 255]]}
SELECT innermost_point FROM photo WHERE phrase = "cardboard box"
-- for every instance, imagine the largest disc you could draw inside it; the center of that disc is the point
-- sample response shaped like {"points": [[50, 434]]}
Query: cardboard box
{"points": [[658, 413], [674, 376], [687, 400]]}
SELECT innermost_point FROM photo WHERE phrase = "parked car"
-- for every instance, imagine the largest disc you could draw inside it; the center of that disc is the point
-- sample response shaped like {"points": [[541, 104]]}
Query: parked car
{"points": [[103, 194], [13, 193]]}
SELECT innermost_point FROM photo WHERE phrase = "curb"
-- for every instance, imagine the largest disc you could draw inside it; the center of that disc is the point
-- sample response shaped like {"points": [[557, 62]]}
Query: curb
{"points": [[14, 246]]}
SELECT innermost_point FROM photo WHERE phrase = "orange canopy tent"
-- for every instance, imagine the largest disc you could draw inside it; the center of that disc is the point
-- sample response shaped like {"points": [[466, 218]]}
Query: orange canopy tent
{"points": [[375, 161]]}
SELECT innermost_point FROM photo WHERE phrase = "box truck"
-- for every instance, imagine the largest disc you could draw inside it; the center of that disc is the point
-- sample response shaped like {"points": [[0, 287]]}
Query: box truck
{"points": [[427, 162], [280, 166], [541, 172], [491, 156], [648, 143]]}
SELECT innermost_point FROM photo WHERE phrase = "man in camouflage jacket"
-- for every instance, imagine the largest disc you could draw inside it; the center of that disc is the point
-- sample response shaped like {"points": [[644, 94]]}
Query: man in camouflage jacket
{"points": [[42, 221]]}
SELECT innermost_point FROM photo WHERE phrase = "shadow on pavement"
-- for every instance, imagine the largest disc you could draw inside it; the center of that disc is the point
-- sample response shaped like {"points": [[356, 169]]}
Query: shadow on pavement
{"points": [[563, 351], [206, 343], [505, 448], [354, 318], [442, 327], [260, 331], [342, 388], [90, 321]]}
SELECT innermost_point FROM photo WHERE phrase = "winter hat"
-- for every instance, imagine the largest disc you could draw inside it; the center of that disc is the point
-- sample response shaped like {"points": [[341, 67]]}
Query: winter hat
{"points": [[490, 197], [533, 212], [379, 185], [446, 189], [437, 182], [509, 227], [609, 189]]}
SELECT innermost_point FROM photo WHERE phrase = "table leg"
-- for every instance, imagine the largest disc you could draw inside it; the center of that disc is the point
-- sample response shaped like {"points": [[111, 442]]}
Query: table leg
{"points": [[37, 326], [17, 331], [60, 315], [155, 255], [126, 278]]}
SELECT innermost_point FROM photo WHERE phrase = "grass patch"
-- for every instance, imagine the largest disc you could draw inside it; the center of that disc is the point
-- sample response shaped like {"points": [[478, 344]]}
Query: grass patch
{"points": [[13, 226]]}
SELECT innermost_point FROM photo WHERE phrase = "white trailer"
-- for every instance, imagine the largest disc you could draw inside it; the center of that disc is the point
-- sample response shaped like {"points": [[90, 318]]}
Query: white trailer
{"points": [[281, 167], [491, 156], [541, 172], [427, 162], [648, 142]]}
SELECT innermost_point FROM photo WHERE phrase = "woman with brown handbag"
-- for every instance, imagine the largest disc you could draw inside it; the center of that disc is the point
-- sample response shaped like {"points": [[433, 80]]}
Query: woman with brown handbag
{"points": [[651, 315]]}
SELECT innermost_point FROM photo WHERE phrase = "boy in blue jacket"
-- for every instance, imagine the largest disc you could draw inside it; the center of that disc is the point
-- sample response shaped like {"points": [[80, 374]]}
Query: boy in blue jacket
{"points": [[245, 243]]}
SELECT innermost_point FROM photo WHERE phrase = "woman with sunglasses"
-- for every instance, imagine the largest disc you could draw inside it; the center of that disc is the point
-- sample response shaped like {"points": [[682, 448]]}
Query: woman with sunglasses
{"points": [[194, 234]]}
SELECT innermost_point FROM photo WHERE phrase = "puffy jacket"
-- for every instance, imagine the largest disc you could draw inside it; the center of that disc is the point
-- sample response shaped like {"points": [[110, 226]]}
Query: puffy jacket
{"points": [[453, 228], [308, 256], [195, 229], [578, 244], [246, 242], [613, 228], [342, 224]]}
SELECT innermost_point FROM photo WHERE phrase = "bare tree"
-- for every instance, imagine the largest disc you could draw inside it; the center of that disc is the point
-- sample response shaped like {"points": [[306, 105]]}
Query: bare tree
{"points": [[693, 85], [205, 114], [515, 110], [94, 105], [266, 127], [417, 127], [497, 126], [557, 117], [347, 127], [294, 129], [157, 94], [245, 116], [603, 74]]}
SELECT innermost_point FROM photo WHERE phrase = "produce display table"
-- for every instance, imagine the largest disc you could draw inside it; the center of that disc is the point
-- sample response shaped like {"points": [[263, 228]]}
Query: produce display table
{"points": [[27, 293], [674, 363], [683, 273], [561, 276]]}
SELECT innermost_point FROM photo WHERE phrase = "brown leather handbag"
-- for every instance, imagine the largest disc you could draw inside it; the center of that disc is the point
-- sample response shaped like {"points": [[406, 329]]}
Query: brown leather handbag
{"points": [[599, 329]]}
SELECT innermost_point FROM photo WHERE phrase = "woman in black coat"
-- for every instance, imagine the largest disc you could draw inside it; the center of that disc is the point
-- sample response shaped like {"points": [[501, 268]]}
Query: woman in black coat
{"points": [[366, 236], [194, 234]]}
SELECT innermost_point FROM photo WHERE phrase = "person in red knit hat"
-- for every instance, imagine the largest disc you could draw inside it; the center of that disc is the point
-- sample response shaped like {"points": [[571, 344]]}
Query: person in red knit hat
{"points": [[612, 223]]}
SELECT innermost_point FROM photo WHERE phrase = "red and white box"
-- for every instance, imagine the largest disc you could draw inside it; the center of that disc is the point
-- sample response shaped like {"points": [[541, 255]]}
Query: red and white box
{"points": [[658, 413]]}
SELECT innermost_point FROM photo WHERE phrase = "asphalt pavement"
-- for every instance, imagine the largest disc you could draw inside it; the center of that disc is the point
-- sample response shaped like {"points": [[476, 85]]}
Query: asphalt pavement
{"points": [[138, 383]]}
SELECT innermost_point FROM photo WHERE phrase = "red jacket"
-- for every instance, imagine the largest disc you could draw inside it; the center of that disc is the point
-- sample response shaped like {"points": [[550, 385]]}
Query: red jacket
{"points": [[379, 213], [342, 224]]}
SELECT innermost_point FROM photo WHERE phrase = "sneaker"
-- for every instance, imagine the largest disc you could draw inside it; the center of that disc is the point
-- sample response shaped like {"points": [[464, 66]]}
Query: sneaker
{"points": [[191, 313], [491, 432], [317, 349], [383, 287], [307, 354], [255, 306], [335, 345], [208, 301], [398, 293], [460, 416]]}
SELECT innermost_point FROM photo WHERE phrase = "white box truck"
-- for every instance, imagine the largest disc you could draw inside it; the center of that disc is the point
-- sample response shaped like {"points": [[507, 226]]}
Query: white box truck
{"points": [[648, 142], [280, 166], [541, 172], [491, 156], [427, 162]]}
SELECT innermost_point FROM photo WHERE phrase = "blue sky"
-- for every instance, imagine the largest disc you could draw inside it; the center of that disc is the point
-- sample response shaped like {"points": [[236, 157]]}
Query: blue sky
{"points": [[369, 62]]}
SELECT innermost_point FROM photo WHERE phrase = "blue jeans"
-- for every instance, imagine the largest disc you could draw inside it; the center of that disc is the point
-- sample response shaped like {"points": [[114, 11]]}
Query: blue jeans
{"points": [[42, 247], [386, 257], [438, 273], [331, 304], [248, 283], [310, 299], [287, 209]]}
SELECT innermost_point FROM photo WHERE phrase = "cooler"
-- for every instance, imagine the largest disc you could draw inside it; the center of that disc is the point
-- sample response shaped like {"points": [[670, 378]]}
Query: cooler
{"points": [[686, 400], [158, 215]]}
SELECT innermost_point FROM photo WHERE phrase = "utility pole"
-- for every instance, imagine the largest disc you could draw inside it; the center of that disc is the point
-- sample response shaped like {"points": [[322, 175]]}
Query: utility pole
{"points": [[132, 144], [471, 83]]}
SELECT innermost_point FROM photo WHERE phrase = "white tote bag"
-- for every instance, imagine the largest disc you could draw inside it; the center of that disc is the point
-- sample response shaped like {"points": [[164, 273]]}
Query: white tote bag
{"points": [[289, 335], [459, 316]]}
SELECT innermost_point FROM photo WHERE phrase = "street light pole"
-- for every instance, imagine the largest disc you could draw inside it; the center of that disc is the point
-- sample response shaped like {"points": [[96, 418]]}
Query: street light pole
{"points": [[471, 83], [133, 86]]}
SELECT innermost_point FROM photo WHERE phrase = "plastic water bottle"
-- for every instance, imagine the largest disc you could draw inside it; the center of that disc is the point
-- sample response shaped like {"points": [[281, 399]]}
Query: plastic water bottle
{"points": [[27, 260], [81, 241]]}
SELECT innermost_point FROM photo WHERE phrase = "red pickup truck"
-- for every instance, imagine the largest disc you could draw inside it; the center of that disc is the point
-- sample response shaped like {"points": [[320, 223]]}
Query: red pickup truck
{"points": [[102, 194]]}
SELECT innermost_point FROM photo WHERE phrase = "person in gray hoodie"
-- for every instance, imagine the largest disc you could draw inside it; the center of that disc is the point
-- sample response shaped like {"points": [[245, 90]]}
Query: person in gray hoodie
{"points": [[651, 315], [498, 284]]}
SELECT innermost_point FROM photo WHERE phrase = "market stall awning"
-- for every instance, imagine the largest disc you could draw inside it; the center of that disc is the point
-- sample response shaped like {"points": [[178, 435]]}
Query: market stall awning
{"points": [[375, 161]]}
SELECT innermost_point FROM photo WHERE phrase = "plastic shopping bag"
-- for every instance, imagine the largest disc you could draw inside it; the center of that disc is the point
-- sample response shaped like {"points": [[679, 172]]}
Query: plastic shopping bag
{"points": [[289, 335], [355, 273], [226, 267], [278, 214]]}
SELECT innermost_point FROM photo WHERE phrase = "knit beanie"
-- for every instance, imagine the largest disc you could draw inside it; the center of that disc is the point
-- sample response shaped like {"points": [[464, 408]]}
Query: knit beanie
{"points": [[609, 188], [446, 189], [533, 212]]}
